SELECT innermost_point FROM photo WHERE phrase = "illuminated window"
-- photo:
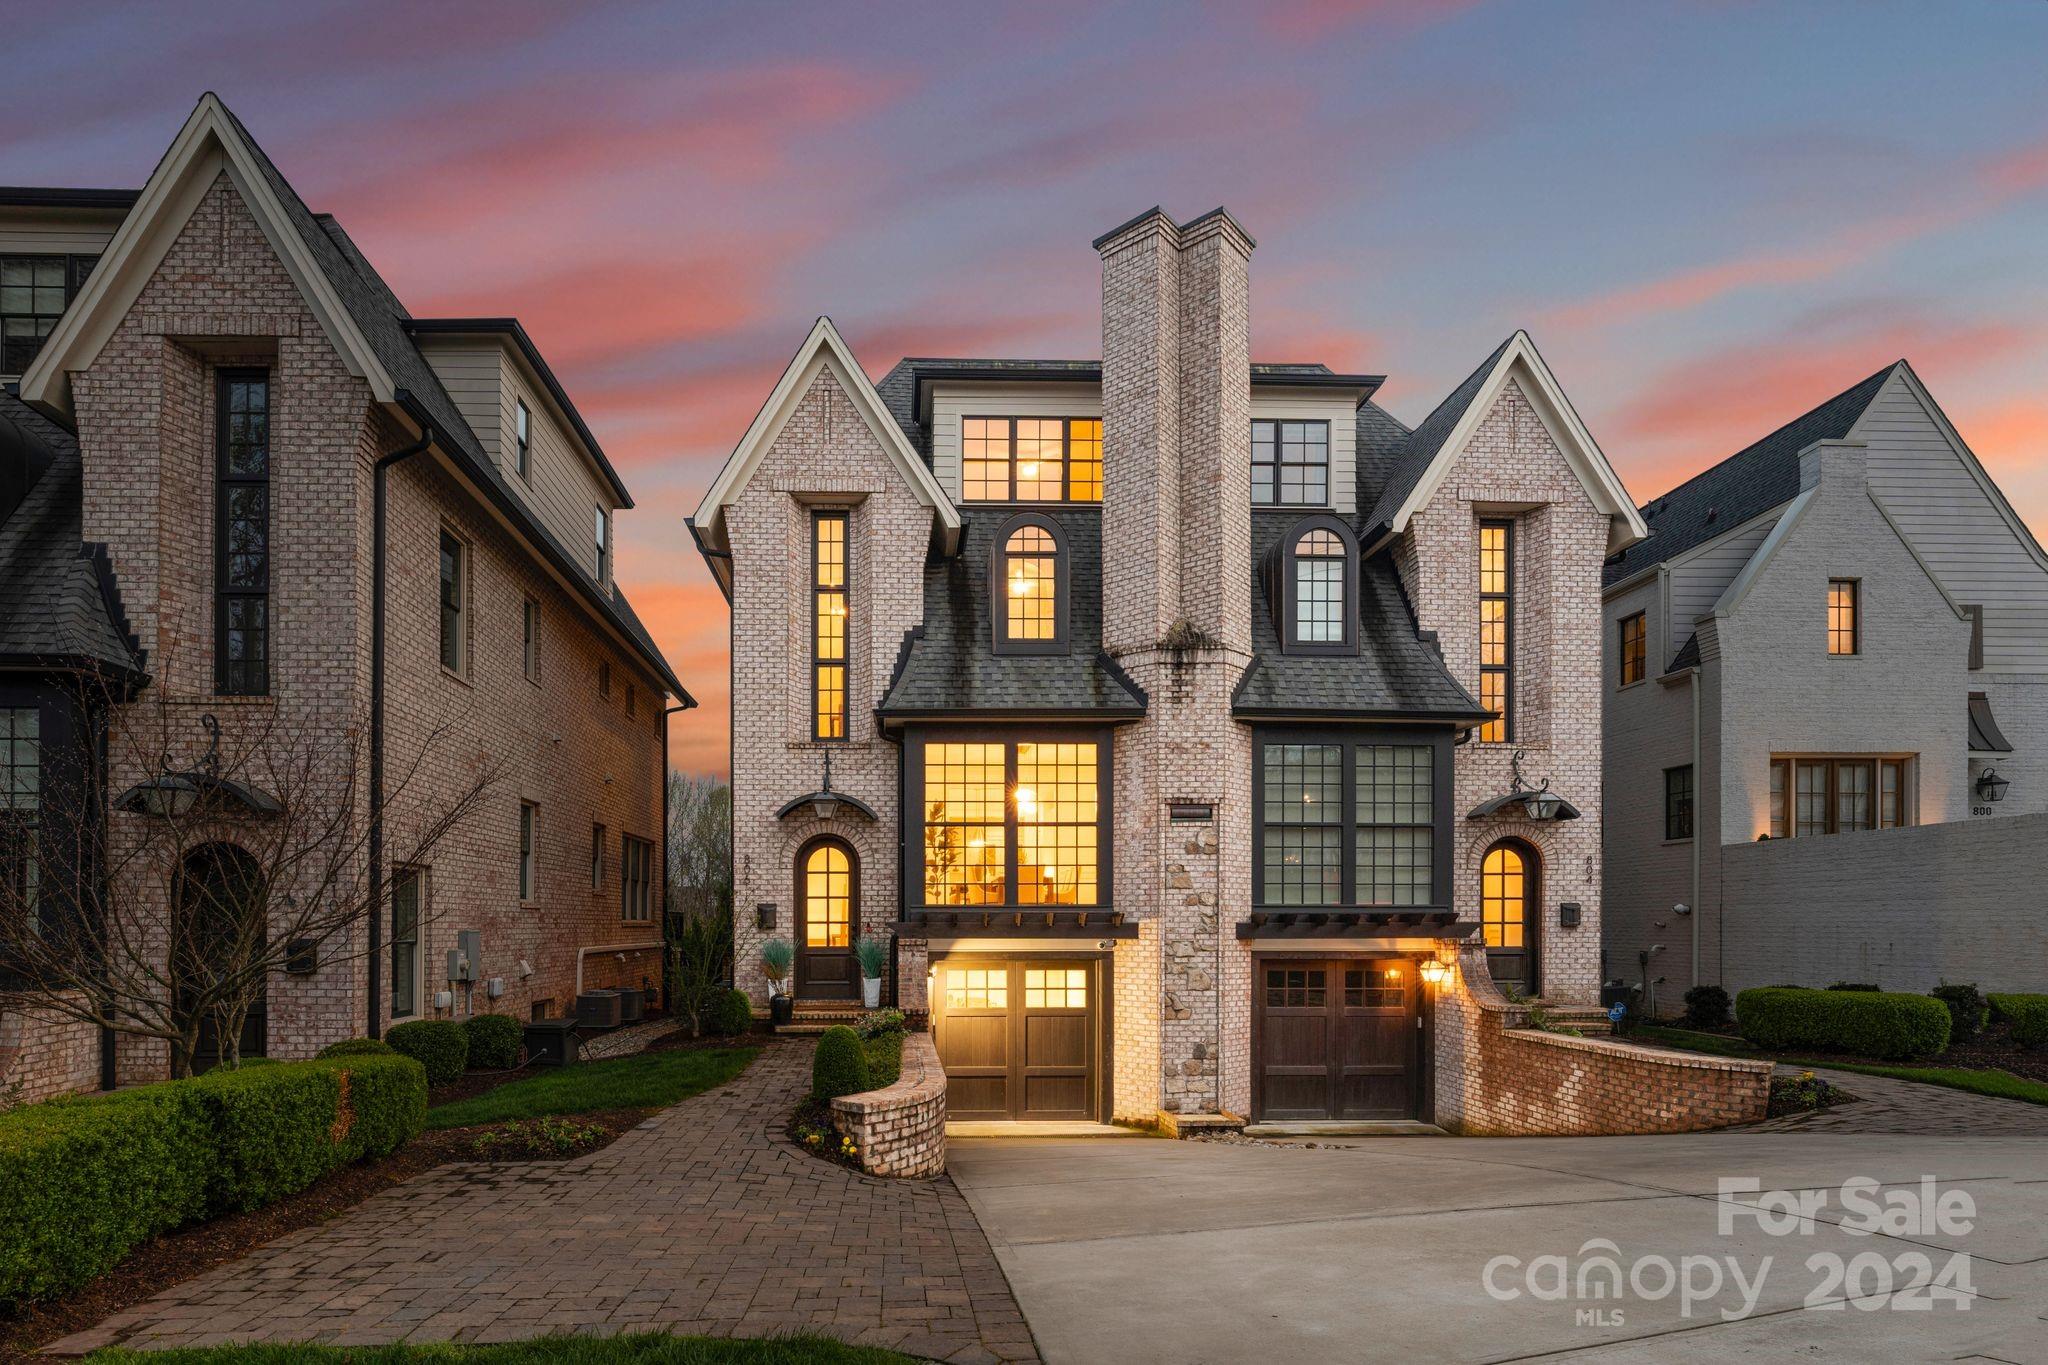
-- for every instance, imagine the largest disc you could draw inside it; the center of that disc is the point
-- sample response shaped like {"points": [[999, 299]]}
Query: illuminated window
{"points": [[1031, 459], [828, 896], [1842, 613], [1634, 651], [977, 988], [828, 625], [1056, 988], [1838, 795], [1028, 574], [1291, 463], [1000, 816], [1496, 628], [1503, 896]]}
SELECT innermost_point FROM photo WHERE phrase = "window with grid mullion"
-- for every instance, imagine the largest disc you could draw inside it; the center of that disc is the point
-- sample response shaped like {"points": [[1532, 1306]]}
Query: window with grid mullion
{"points": [[242, 528], [1290, 463], [1304, 836], [1395, 801]]}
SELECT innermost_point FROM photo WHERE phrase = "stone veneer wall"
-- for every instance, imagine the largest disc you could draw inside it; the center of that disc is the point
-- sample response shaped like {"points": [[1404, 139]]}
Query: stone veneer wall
{"points": [[1497, 1077], [901, 1128]]}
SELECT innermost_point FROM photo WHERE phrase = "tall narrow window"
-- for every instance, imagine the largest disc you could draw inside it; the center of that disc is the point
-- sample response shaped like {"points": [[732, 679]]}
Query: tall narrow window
{"points": [[1291, 463], [1678, 802], [1319, 588], [529, 644], [596, 857], [20, 805], [1497, 628], [405, 943], [1396, 817], [603, 544], [1031, 459], [1634, 650], [454, 601], [1028, 581], [522, 438], [242, 534], [1842, 613], [529, 821], [636, 879], [1303, 827], [604, 679], [632, 701], [828, 625]]}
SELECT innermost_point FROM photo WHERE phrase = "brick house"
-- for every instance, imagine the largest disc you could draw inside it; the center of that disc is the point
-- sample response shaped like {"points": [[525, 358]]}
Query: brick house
{"points": [[205, 386], [1827, 678], [1172, 717]]}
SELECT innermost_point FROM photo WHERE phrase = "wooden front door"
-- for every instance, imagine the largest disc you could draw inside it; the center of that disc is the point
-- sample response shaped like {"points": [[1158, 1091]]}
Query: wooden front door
{"points": [[1020, 1037], [1335, 1039], [827, 908], [1508, 897]]}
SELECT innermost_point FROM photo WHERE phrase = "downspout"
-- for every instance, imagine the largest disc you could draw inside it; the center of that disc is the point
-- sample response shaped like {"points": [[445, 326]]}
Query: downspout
{"points": [[378, 502], [1698, 825], [666, 834]]}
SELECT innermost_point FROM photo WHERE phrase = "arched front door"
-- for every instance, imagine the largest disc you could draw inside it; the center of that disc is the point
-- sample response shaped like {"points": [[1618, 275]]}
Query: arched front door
{"points": [[1508, 897], [217, 898], [827, 909]]}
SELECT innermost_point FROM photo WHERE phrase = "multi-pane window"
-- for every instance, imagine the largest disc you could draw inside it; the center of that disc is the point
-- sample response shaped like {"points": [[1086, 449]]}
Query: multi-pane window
{"points": [[529, 834], [1031, 459], [33, 293], [405, 942], [1678, 802], [828, 896], [522, 442], [1634, 650], [242, 534], [1291, 463], [828, 625], [529, 642], [1497, 628], [1025, 815], [20, 800], [1319, 587], [977, 988], [1031, 584], [1842, 614], [1368, 990], [454, 600], [1347, 822], [636, 879], [1055, 988], [1811, 796], [596, 857], [1295, 987], [1503, 897], [603, 543]]}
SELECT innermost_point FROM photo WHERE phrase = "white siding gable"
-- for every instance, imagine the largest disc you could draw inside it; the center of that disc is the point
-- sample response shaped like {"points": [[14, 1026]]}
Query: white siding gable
{"points": [[952, 402]]}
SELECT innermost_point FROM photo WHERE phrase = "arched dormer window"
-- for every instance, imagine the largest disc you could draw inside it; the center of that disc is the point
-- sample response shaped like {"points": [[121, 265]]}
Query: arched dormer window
{"points": [[1318, 588], [1028, 586]]}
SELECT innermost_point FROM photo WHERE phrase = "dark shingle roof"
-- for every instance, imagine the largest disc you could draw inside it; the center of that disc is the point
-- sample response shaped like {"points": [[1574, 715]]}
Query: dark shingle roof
{"points": [[1688, 655], [1407, 465], [58, 603], [1744, 486], [1395, 672], [949, 667], [1380, 438]]}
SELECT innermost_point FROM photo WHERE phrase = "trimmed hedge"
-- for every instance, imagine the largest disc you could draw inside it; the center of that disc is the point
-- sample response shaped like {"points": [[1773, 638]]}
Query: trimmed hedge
{"points": [[85, 1179], [840, 1065], [730, 1015], [494, 1041], [359, 1047], [439, 1045], [2028, 1015], [1883, 1024]]}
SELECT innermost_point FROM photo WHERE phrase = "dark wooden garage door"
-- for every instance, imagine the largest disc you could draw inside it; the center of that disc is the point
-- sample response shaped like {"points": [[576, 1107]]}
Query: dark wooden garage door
{"points": [[1020, 1037], [1335, 1039]]}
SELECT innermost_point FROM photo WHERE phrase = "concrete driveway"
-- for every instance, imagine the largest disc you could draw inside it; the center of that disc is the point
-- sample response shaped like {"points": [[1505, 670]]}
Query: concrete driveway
{"points": [[1379, 1250]]}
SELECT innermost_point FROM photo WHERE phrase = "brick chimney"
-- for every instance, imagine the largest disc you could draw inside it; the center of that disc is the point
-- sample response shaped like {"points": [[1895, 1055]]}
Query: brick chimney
{"points": [[1176, 409]]}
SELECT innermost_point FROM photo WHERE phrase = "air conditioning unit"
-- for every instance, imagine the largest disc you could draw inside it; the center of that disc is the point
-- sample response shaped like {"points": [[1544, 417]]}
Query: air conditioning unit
{"points": [[632, 1001], [598, 1009]]}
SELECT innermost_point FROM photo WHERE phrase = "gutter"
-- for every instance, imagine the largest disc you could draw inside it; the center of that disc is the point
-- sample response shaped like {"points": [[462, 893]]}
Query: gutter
{"points": [[666, 829]]}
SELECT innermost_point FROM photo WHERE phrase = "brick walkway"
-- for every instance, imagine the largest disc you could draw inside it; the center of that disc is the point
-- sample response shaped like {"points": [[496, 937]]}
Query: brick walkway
{"points": [[703, 1220], [1884, 1105]]}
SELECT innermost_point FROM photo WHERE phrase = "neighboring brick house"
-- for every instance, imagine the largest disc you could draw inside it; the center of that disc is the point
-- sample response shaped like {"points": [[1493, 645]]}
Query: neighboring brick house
{"points": [[1168, 715], [1827, 742], [209, 378]]}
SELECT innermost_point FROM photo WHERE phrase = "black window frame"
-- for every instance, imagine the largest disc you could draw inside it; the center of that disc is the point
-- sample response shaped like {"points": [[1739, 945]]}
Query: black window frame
{"points": [[1278, 463], [1286, 587], [21, 809], [598, 844], [242, 677], [604, 541], [1351, 739], [636, 879], [522, 439], [1680, 803], [414, 980], [1066, 496], [1505, 670], [819, 592], [454, 625], [1855, 632], [529, 852], [77, 269], [1635, 654], [998, 587]]}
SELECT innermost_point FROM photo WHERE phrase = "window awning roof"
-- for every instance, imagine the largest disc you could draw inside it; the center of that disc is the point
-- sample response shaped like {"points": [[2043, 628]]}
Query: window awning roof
{"points": [[1507, 804], [174, 794], [1985, 736]]}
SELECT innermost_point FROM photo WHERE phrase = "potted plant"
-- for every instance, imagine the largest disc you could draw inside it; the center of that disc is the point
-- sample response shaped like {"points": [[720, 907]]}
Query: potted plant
{"points": [[776, 955], [873, 952]]}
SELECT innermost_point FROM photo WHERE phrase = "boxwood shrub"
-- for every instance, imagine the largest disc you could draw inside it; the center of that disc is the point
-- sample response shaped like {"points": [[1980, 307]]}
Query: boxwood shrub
{"points": [[2028, 1015], [439, 1045], [87, 1178], [840, 1065], [494, 1041], [731, 1014], [359, 1047], [1883, 1024]]}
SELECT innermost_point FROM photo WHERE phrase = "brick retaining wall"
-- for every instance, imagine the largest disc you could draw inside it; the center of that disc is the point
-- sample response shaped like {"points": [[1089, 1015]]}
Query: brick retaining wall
{"points": [[1497, 1077], [901, 1128]]}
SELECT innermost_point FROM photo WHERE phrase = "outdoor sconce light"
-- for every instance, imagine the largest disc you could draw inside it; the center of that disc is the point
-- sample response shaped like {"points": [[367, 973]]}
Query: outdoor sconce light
{"points": [[1543, 804], [764, 915], [1991, 786], [1568, 913], [1434, 971]]}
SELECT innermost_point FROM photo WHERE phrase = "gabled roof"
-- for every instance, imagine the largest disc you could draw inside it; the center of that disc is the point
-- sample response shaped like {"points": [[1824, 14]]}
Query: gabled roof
{"points": [[823, 350], [1749, 483], [1433, 447]]}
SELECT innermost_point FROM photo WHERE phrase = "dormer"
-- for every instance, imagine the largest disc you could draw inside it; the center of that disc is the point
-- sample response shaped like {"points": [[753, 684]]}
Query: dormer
{"points": [[50, 239]]}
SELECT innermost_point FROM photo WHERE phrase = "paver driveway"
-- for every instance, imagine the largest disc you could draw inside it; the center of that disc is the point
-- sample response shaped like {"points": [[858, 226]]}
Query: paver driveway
{"points": [[702, 1220]]}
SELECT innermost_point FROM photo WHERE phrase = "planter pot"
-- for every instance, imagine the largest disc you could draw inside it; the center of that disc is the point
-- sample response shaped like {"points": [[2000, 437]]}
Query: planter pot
{"points": [[871, 992], [781, 1009]]}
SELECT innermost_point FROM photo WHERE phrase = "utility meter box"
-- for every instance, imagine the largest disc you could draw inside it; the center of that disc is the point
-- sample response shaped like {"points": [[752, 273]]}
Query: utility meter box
{"points": [[470, 944]]}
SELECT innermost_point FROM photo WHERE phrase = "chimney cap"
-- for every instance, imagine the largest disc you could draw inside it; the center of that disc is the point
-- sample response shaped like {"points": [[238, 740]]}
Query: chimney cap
{"points": [[1156, 218]]}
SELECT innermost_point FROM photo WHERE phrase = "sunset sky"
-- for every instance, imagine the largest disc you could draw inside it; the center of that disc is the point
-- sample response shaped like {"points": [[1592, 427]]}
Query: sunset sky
{"points": [[1710, 215]]}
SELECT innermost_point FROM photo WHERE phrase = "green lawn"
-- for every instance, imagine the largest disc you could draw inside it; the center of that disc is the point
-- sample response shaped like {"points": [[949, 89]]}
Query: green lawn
{"points": [[1977, 1080], [643, 1349], [648, 1080]]}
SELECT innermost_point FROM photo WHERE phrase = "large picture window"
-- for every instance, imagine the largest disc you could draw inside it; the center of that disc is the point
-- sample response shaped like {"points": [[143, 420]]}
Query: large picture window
{"points": [[1829, 795], [1013, 822], [1349, 820], [20, 802], [1497, 628], [828, 625], [1290, 464], [242, 533], [1031, 459]]}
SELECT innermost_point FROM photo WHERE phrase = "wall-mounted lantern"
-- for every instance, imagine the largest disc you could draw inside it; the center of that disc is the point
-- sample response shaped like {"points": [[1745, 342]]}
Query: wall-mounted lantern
{"points": [[1991, 786]]}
